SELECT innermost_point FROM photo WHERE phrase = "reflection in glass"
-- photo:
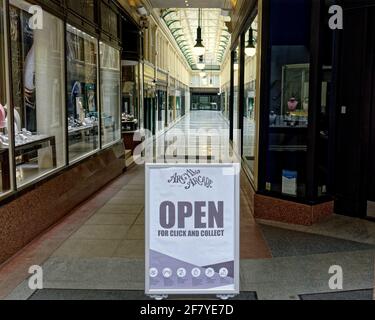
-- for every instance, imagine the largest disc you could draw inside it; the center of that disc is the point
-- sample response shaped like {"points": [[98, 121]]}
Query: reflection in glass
{"points": [[130, 100], [162, 103], [183, 100], [225, 96], [249, 119], [110, 93], [205, 101], [171, 102], [236, 101], [288, 97], [295, 94], [37, 58], [82, 54], [324, 114], [178, 103]]}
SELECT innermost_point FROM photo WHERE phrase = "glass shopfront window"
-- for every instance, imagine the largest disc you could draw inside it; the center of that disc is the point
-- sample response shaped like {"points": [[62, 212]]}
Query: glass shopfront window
{"points": [[37, 58], [5, 178], [236, 102], [323, 144], [162, 104], [140, 93], [130, 97], [205, 101], [183, 100], [171, 105], [225, 96], [288, 97], [110, 93], [150, 107], [249, 118], [178, 102], [82, 62]]}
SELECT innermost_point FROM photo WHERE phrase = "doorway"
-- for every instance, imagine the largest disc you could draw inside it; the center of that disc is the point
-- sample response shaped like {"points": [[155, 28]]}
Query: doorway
{"points": [[371, 159], [355, 109], [150, 112]]}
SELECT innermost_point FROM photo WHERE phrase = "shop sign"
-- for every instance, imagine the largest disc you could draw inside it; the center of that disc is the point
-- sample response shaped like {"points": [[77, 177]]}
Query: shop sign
{"points": [[192, 229], [162, 77], [149, 72]]}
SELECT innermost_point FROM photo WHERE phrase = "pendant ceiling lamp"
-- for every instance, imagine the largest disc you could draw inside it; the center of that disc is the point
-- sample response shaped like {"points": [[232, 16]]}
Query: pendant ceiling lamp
{"points": [[199, 48], [250, 49], [201, 64], [235, 64]]}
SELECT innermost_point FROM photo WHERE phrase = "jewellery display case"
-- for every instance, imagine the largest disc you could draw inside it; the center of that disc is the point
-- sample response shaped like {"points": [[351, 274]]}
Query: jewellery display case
{"points": [[293, 125], [4, 152], [295, 95], [130, 100], [288, 133], [284, 172], [37, 64], [82, 113], [110, 93]]}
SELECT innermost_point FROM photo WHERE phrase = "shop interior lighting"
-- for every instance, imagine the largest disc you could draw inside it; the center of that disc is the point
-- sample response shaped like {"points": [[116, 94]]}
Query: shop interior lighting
{"points": [[201, 64], [250, 49], [142, 11], [199, 48]]}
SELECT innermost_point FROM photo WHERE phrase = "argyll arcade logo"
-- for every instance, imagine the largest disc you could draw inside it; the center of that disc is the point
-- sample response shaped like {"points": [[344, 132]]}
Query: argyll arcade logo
{"points": [[190, 179]]}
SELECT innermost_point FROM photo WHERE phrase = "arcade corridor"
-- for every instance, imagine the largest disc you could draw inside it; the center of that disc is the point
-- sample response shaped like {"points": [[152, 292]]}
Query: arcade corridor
{"points": [[93, 93], [97, 252]]}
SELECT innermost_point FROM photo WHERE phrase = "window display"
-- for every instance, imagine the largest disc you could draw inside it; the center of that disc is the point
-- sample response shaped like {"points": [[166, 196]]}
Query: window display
{"points": [[82, 111], [288, 97], [37, 58], [110, 93], [4, 140], [130, 97], [295, 95]]}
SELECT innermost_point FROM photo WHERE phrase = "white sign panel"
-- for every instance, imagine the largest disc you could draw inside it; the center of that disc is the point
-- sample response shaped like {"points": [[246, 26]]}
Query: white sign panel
{"points": [[192, 229]]}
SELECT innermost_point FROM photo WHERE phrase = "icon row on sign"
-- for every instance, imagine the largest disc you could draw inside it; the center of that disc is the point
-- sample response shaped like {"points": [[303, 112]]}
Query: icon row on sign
{"points": [[182, 272]]}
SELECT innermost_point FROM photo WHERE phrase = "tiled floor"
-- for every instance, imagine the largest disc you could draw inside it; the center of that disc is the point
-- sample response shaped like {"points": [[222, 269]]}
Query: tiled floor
{"points": [[100, 246], [285, 243], [63, 294], [344, 295]]}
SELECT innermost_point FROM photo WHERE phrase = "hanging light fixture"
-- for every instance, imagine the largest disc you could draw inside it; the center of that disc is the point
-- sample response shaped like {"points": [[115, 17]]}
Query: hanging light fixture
{"points": [[199, 48], [250, 49], [235, 64], [201, 64]]}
